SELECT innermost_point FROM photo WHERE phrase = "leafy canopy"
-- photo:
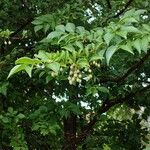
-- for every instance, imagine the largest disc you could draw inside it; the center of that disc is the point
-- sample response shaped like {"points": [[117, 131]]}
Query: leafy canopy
{"points": [[89, 75]]}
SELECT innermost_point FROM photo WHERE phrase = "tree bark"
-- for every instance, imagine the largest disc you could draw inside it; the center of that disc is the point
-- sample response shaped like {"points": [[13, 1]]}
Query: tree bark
{"points": [[70, 128], [70, 133]]}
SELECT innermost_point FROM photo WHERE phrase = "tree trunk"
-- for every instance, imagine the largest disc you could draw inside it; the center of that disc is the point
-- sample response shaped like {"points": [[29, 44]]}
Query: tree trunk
{"points": [[70, 129], [70, 133]]}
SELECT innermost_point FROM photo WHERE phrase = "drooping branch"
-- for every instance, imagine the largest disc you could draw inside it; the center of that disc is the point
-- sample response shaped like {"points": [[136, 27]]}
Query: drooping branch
{"points": [[104, 108], [133, 68]]}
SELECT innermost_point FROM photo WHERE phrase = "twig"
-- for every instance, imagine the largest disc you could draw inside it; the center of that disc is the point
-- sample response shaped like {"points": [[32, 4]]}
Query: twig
{"points": [[29, 20], [120, 11], [123, 9]]}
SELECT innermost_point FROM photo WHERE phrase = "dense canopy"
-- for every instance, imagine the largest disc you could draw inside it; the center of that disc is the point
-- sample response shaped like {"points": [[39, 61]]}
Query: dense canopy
{"points": [[74, 75]]}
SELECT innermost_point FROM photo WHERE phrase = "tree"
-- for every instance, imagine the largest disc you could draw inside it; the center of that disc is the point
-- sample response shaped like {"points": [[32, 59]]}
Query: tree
{"points": [[89, 79]]}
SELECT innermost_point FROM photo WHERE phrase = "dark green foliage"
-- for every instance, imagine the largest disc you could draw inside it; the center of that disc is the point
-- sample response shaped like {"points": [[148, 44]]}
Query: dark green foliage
{"points": [[74, 69]]}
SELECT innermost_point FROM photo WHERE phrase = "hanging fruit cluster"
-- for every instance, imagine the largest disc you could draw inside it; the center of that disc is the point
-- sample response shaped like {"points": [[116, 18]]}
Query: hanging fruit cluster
{"points": [[74, 75], [96, 64]]}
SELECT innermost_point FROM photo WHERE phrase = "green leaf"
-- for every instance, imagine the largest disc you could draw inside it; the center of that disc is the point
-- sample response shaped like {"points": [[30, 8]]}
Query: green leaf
{"points": [[54, 66], [108, 37], [99, 31], [122, 34], [5, 119], [129, 20], [96, 57], [109, 53], [144, 44], [45, 40], [80, 30], [70, 27], [44, 132], [146, 27], [106, 147], [37, 22], [45, 18], [79, 44], [37, 28], [63, 38], [137, 45], [21, 116], [27, 60], [129, 13], [101, 53], [41, 74], [131, 29], [90, 37], [69, 48], [127, 47], [45, 57], [48, 78], [140, 12], [52, 131], [1, 117], [16, 69], [46, 28], [28, 69], [64, 113], [103, 89], [91, 90], [10, 110], [54, 34], [24, 33], [74, 108], [82, 62], [60, 28], [74, 55], [35, 127], [3, 88]]}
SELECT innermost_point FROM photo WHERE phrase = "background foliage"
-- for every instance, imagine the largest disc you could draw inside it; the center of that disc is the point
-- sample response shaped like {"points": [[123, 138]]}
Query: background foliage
{"points": [[86, 60]]}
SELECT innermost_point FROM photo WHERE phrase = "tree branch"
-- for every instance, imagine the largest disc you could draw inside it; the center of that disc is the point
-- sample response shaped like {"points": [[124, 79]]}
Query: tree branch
{"points": [[108, 104], [29, 20], [136, 66], [120, 11], [104, 108], [123, 9]]}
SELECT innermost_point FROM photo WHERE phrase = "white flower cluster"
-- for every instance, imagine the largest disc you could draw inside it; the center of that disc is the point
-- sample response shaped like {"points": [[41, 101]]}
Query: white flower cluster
{"points": [[89, 72], [96, 64], [74, 75], [7, 42]]}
